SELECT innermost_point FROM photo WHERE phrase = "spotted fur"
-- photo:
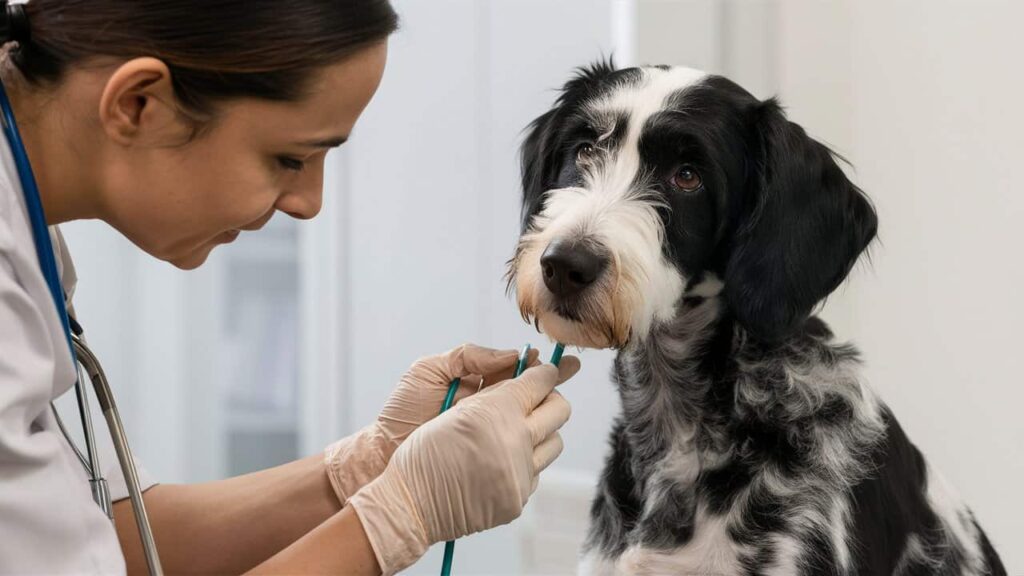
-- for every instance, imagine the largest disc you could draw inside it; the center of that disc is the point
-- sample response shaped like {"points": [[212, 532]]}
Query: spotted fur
{"points": [[748, 443]]}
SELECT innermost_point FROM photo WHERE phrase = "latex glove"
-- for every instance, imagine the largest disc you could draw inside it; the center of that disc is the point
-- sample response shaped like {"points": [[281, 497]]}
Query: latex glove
{"points": [[357, 459], [470, 469]]}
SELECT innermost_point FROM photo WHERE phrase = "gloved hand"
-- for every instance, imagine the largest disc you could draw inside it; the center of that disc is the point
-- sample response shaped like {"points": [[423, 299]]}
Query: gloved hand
{"points": [[470, 469], [357, 459]]}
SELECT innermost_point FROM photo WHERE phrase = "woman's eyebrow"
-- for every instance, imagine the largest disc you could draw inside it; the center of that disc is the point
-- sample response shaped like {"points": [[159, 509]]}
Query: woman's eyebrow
{"points": [[332, 142]]}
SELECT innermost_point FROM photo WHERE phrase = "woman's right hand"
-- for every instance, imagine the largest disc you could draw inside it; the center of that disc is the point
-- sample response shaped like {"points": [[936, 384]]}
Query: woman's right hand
{"points": [[470, 469]]}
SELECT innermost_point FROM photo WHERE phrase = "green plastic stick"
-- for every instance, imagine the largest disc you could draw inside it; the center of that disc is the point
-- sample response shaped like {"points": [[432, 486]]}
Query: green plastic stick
{"points": [[524, 359]]}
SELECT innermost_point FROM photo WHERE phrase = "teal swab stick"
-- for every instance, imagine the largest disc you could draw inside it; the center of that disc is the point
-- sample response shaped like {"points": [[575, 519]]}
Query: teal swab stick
{"points": [[556, 356], [524, 358], [449, 546]]}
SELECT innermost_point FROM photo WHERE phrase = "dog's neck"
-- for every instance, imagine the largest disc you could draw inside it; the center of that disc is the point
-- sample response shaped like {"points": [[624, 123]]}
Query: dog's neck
{"points": [[670, 383], [698, 383]]}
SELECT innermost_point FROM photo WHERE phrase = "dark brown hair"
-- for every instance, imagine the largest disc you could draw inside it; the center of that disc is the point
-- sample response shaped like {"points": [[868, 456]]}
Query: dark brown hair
{"points": [[216, 50]]}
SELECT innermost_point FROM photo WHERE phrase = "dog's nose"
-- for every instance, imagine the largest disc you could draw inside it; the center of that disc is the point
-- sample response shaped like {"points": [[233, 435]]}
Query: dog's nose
{"points": [[569, 267]]}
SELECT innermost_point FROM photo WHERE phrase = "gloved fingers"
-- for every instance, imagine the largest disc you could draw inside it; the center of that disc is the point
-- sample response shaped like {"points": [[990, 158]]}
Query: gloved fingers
{"points": [[463, 361], [547, 418], [568, 368], [508, 372], [474, 383], [478, 360], [530, 388], [534, 385], [469, 386], [546, 452], [534, 358]]}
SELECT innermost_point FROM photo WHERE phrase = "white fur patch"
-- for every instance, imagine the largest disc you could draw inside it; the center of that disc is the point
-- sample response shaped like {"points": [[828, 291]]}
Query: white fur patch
{"points": [[948, 506], [913, 554], [711, 551], [787, 556], [649, 96], [839, 522], [593, 564]]}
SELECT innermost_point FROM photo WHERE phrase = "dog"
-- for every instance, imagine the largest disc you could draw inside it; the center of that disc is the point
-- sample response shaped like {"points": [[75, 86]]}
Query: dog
{"points": [[671, 215]]}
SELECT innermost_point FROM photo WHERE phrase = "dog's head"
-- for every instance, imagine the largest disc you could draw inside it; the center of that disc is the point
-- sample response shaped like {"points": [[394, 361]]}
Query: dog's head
{"points": [[646, 185]]}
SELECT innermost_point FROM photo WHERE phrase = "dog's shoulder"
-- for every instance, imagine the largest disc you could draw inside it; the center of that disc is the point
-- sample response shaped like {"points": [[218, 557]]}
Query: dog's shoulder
{"points": [[909, 520]]}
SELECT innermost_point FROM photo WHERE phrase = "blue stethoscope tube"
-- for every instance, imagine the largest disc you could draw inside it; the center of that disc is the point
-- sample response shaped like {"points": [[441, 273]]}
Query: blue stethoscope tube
{"points": [[81, 356]]}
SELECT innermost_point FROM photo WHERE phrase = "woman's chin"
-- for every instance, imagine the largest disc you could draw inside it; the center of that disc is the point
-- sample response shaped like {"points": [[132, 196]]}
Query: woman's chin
{"points": [[190, 260]]}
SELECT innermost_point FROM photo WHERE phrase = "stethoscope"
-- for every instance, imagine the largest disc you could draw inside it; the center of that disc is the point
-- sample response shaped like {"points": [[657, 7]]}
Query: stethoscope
{"points": [[81, 357]]}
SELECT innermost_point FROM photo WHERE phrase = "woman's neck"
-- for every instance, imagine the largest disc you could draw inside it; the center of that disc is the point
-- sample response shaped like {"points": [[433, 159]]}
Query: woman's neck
{"points": [[59, 148]]}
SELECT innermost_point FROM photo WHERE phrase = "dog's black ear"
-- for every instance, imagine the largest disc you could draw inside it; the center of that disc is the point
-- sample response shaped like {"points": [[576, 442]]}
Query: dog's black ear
{"points": [[542, 152], [802, 227], [539, 156]]}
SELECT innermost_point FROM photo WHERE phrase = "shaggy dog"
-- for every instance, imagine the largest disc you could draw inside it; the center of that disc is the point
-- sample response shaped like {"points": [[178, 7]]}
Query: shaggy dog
{"points": [[671, 215]]}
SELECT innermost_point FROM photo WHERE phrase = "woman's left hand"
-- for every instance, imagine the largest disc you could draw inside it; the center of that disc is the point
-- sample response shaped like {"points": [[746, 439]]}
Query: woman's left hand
{"points": [[355, 460]]}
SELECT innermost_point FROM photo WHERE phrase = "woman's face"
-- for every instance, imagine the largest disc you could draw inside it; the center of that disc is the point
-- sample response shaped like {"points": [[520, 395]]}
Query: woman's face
{"points": [[178, 202]]}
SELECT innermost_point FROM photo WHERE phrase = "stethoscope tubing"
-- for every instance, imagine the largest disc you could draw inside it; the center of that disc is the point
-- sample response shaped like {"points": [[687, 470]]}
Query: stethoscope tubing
{"points": [[105, 398]]}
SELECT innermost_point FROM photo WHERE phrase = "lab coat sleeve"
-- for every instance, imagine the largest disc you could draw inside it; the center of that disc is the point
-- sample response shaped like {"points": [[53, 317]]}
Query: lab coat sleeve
{"points": [[49, 523]]}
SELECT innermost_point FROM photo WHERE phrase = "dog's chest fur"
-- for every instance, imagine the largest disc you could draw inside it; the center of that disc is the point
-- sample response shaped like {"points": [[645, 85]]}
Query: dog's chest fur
{"points": [[732, 459]]}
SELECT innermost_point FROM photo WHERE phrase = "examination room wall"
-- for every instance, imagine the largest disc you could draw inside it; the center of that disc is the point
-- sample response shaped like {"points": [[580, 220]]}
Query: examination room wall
{"points": [[294, 336]]}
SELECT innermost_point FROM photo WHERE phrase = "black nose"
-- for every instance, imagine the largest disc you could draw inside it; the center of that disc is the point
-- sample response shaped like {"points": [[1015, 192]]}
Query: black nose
{"points": [[569, 267]]}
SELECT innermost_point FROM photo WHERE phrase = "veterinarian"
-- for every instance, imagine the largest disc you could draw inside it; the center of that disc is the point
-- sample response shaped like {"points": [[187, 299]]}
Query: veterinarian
{"points": [[181, 123]]}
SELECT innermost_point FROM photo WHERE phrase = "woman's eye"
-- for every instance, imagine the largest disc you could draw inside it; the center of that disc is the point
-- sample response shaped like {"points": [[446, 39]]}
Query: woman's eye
{"points": [[289, 163], [686, 179], [584, 153]]}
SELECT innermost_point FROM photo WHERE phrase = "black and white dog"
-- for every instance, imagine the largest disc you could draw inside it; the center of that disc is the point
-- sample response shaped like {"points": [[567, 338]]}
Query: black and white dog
{"points": [[673, 216]]}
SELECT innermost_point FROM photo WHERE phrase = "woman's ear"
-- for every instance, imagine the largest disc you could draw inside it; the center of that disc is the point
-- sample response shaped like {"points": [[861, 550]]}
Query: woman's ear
{"points": [[803, 226], [138, 106]]}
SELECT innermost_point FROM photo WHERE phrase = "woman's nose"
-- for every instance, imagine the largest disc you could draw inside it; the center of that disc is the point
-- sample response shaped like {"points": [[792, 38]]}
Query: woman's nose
{"points": [[304, 200]]}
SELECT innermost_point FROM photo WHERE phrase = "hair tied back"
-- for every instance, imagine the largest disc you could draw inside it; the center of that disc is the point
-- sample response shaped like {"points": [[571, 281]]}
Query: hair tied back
{"points": [[13, 22]]}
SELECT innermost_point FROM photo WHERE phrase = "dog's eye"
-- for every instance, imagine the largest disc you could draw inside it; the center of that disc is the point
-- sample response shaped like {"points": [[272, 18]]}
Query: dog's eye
{"points": [[584, 153], [686, 179]]}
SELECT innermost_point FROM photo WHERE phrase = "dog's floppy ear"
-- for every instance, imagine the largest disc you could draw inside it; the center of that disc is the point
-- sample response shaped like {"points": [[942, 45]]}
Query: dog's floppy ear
{"points": [[802, 228], [539, 156], [542, 152]]}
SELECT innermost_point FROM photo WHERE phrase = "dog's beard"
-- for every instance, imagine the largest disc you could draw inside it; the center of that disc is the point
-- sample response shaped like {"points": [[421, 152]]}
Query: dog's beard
{"points": [[599, 318]]}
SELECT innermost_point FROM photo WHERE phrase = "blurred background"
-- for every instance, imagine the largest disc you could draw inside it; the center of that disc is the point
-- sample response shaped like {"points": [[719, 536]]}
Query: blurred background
{"points": [[293, 337]]}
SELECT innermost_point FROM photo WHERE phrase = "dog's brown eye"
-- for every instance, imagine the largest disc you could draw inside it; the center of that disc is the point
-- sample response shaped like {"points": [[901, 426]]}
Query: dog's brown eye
{"points": [[686, 179], [583, 153]]}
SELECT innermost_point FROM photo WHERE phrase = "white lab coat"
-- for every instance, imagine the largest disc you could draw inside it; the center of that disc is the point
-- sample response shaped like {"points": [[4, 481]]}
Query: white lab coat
{"points": [[49, 523]]}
